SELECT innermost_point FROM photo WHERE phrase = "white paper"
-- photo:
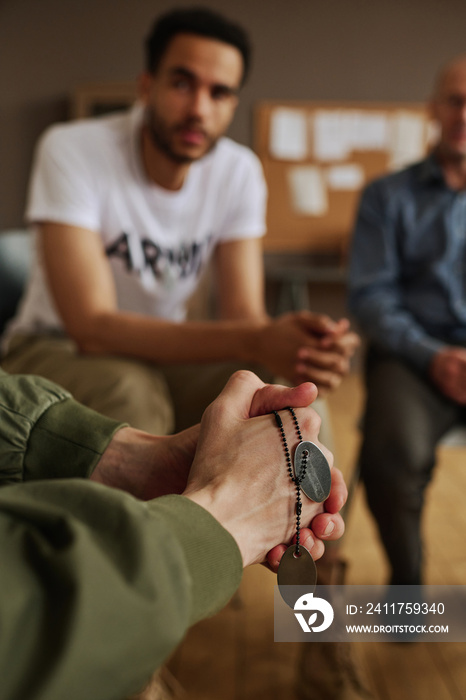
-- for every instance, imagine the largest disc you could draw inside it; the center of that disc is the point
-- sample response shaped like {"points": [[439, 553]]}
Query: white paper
{"points": [[308, 190], [345, 177], [330, 135], [339, 132], [369, 131], [407, 139], [288, 134]]}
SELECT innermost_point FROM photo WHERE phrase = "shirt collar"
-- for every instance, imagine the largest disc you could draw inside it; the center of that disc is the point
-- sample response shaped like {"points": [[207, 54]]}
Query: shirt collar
{"points": [[431, 170]]}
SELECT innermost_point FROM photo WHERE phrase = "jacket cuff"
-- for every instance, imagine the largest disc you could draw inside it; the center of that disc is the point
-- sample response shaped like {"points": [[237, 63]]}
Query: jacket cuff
{"points": [[67, 441], [211, 554]]}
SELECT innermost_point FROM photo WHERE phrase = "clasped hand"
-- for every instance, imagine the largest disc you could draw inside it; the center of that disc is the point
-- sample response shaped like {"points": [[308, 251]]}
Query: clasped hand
{"points": [[233, 465], [305, 346], [448, 372]]}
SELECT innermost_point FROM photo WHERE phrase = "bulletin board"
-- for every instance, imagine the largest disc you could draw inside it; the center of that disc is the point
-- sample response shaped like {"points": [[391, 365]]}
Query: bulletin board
{"points": [[317, 157]]}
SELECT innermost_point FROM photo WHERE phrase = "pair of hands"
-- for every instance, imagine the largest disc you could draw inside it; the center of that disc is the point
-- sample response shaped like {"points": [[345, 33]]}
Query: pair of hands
{"points": [[308, 347], [448, 372], [233, 465]]}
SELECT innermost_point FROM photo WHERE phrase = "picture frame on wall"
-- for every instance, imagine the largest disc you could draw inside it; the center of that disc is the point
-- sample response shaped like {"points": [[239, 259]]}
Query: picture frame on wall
{"points": [[95, 99]]}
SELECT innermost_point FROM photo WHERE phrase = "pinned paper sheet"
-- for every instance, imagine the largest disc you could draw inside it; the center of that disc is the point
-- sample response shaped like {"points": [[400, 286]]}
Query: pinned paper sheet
{"points": [[330, 135], [407, 139], [369, 131], [345, 177], [288, 134], [337, 133], [308, 190]]}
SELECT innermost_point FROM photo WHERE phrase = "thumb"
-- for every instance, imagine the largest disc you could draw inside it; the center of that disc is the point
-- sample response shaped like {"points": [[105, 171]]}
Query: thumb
{"points": [[273, 397]]}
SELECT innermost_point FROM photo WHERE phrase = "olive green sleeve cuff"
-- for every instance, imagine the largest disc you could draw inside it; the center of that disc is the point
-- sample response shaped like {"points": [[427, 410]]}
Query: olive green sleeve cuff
{"points": [[67, 441], [211, 554]]}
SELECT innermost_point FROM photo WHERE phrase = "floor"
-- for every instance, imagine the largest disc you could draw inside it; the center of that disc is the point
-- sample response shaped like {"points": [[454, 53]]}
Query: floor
{"points": [[233, 656]]}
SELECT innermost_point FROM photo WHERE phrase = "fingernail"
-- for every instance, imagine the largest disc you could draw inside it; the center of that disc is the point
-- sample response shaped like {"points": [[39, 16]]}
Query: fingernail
{"points": [[309, 542], [330, 528]]}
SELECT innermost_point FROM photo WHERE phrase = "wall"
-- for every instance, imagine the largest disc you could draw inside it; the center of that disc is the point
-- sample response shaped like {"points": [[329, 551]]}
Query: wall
{"points": [[304, 49]]}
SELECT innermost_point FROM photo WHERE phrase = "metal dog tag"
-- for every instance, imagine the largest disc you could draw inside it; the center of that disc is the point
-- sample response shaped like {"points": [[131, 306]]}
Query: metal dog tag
{"points": [[317, 478], [296, 571]]}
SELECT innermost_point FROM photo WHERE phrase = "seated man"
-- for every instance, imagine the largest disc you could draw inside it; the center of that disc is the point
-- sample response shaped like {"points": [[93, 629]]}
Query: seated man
{"points": [[128, 211], [98, 586], [407, 290]]}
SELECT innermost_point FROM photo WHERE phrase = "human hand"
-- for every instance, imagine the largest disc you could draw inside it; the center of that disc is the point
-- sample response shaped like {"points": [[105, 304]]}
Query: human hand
{"points": [[325, 526], [340, 338], [448, 371], [328, 525], [305, 346], [148, 467], [336, 347], [239, 473]]}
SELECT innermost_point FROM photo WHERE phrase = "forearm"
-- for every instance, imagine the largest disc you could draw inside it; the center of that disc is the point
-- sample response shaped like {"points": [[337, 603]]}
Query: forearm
{"points": [[105, 575], [167, 342], [147, 466], [394, 329], [376, 294]]}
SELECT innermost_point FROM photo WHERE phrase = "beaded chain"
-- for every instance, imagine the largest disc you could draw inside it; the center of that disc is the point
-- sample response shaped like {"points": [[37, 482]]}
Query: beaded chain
{"points": [[295, 478]]}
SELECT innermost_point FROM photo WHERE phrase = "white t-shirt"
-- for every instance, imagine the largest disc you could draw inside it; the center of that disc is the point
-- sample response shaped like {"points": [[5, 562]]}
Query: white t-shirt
{"points": [[90, 174]]}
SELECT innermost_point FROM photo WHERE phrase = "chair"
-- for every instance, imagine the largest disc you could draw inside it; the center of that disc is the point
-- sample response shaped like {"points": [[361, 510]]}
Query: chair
{"points": [[15, 262]]}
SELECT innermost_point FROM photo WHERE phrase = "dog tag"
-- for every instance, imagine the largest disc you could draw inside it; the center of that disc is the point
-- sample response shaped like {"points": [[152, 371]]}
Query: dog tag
{"points": [[317, 478], [296, 571]]}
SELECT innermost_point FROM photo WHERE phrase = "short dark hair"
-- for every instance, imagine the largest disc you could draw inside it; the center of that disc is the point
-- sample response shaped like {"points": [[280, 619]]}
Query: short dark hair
{"points": [[197, 20]]}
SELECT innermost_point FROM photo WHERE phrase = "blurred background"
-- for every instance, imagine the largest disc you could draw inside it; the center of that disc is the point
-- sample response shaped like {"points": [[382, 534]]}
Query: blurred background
{"points": [[303, 50]]}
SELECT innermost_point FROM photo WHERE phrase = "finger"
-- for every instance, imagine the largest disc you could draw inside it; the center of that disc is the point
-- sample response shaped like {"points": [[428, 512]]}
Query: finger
{"points": [[348, 344], [238, 393], [273, 397], [315, 546], [341, 328], [326, 526], [345, 345], [317, 323], [274, 556], [326, 359], [338, 493], [324, 379]]}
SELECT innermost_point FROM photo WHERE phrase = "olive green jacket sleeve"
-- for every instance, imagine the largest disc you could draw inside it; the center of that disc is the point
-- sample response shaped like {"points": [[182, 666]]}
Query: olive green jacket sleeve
{"points": [[96, 587]]}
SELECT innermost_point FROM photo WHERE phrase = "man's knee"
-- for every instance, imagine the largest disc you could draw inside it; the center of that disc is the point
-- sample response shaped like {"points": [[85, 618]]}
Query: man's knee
{"points": [[405, 455], [396, 466], [132, 392]]}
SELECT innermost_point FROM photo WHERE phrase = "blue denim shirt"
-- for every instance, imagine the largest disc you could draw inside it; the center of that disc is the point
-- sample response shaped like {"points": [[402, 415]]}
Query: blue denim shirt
{"points": [[407, 279]]}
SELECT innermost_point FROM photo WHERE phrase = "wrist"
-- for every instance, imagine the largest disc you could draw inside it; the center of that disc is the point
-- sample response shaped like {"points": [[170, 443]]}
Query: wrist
{"points": [[129, 462], [251, 340], [218, 508]]}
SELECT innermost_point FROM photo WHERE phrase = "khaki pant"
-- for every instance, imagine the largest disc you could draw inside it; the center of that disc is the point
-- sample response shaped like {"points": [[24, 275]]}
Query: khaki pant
{"points": [[159, 400]]}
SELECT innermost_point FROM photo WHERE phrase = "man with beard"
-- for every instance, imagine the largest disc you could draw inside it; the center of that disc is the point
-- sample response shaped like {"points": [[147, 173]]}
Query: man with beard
{"points": [[129, 210]]}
